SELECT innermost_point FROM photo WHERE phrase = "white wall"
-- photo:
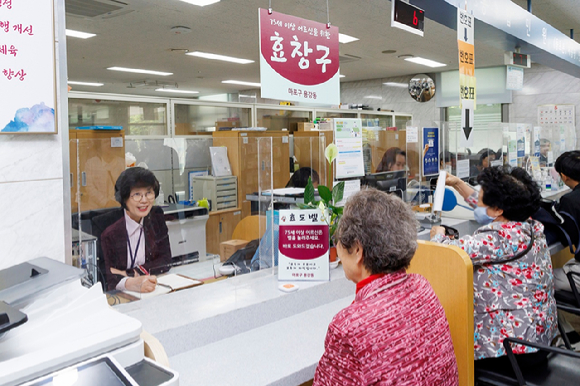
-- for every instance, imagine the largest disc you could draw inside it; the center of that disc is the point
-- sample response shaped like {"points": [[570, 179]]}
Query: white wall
{"points": [[543, 85], [32, 211], [393, 98]]}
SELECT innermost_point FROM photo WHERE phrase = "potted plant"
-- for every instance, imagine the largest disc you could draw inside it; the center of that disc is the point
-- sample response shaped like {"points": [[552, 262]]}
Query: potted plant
{"points": [[329, 198]]}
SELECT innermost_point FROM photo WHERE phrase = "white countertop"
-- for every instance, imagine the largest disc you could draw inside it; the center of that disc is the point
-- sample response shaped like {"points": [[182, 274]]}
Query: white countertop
{"points": [[243, 330]]}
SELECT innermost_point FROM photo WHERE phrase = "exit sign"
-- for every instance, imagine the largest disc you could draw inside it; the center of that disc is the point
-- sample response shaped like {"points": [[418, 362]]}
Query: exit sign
{"points": [[407, 17]]}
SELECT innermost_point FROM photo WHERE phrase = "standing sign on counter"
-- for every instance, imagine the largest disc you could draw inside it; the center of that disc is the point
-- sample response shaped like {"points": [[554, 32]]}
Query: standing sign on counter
{"points": [[298, 59], [521, 138], [27, 68], [430, 151], [303, 244], [348, 140], [512, 153]]}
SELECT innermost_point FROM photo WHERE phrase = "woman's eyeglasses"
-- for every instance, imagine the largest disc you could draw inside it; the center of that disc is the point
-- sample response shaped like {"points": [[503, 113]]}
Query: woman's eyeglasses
{"points": [[150, 196]]}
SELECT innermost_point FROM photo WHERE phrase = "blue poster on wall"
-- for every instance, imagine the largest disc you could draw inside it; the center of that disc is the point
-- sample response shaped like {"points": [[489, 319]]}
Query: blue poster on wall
{"points": [[430, 151]]}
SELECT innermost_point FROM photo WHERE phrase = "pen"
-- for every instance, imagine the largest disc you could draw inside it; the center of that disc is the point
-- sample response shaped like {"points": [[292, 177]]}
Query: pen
{"points": [[165, 285]]}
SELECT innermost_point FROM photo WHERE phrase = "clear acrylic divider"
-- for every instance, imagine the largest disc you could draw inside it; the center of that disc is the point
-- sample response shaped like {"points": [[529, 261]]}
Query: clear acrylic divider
{"points": [[266, 256]]}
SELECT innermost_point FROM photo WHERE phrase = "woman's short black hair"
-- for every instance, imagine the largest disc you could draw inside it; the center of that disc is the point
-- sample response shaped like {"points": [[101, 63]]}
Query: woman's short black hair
{"points": [[135, 177], [511, 190], [568, 163], [484, 153], [300, 178]]}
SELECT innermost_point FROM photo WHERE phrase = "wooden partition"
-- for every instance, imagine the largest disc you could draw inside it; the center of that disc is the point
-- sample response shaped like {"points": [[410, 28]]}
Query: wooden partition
{"points": [[450, 272]]}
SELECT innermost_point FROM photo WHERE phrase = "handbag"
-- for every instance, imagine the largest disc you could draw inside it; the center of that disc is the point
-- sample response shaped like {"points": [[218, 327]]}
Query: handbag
{"points": [[559, 226]]}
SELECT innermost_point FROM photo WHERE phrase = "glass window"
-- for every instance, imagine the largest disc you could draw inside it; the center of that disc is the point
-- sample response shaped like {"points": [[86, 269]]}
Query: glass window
{"points": [[336, 114], [280, 119], [136, 118], [196, 119], [376, 120]]}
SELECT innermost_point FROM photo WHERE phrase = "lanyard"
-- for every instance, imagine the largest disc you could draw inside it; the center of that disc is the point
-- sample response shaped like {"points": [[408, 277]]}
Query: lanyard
{"points": [[134, 257]]}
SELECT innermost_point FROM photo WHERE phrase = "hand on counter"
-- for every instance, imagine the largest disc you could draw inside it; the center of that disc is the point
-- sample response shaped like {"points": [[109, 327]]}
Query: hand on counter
{"points": [[437, 230], [143, 284]]}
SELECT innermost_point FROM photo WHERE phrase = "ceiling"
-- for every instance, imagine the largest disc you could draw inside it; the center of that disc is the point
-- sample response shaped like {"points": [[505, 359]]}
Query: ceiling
{"points": [[139, 35]]}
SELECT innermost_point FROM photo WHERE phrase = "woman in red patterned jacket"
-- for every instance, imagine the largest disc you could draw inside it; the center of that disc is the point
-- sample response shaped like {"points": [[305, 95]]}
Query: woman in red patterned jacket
{"points": [[395, 331]]}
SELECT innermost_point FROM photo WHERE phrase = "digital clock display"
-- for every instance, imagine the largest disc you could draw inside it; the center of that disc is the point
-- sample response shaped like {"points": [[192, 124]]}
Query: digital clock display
{"points": [[520, 59], [409, 16]]}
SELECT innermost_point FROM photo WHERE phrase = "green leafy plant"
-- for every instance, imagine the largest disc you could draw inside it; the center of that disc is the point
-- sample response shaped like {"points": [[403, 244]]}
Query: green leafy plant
{"points": [[329, 198]]}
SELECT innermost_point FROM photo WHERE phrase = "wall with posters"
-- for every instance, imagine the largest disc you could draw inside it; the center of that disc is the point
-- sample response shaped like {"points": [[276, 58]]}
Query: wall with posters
{"points": [[543, 85], [32, 189]]}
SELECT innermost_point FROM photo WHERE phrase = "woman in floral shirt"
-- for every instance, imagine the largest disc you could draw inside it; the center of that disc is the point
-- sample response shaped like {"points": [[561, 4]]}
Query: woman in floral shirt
{"points": [[513, 289]]}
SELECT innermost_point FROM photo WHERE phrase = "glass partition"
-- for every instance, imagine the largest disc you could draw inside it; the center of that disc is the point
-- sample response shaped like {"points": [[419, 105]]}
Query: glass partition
{"points": [[282, 118], [205, 119], [135, 117], [377, 120], [401, 120]]}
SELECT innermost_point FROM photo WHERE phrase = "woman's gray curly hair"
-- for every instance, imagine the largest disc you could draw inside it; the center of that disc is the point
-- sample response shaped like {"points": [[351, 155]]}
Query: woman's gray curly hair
{"points": [[383, 225]]}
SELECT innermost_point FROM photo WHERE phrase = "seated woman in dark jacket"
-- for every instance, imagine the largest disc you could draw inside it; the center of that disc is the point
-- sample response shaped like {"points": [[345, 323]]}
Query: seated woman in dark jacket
{"points": [[513, 283], [136, 246], [395, 331]]}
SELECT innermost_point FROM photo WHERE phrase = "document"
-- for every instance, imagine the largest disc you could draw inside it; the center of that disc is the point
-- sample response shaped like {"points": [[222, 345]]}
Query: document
{"points": [[165, 284]]}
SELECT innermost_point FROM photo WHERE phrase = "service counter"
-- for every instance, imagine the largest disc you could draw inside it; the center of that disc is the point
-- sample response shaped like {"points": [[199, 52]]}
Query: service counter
{"points": [[244, 331]]}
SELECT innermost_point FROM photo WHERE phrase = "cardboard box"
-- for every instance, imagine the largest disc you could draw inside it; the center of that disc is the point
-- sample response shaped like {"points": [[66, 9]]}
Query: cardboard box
{"points": [[305, 126], [228, 248]]}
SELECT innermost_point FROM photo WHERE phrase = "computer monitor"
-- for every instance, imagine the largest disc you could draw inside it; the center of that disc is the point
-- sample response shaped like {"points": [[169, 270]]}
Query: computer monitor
{"points": [[391, 182]]}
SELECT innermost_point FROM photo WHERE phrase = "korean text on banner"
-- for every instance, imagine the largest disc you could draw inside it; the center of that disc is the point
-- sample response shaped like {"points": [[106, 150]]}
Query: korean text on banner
{"points": [[298, 59], [27, 68], [467, 83], [303, 244]]}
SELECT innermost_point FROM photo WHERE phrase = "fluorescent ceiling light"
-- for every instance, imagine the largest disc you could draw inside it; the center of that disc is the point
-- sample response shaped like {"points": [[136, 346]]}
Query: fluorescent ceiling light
{"points": [[246, 96], [342, 38], [219, 57], [201, 3], [395, 84], [79, 34], [139, 71], [373, 97], [242, 83], [85, 83], [177, 91], [425, 62], [341, 76]]}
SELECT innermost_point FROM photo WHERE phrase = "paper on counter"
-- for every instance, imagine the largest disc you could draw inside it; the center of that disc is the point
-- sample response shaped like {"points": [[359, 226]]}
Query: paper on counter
{"points": [[439, 192]]}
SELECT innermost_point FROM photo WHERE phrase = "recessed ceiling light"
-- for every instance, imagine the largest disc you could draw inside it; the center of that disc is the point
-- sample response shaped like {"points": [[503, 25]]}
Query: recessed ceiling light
{"points": [[79, 34], [395, 84], [201, 3], [341, 76], [85, 83], [373, 97], [139, 71], [219, 57], [246, 96], [425, 62], [388, 51], [342, 38], [177, 91], [242, 83]]}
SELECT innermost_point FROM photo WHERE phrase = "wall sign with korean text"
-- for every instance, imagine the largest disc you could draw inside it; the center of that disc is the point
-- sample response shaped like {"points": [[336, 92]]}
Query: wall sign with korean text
{"points": [[27, 67], [303, 240], [465, 45], [430, 151], [298, 59]]}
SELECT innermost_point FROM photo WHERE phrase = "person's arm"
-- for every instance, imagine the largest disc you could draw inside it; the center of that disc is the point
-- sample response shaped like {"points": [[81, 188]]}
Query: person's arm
{"points": [[338, 365], [109, 257]]}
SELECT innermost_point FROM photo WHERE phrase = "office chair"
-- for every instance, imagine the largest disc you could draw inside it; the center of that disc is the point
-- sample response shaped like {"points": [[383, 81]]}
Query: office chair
{"points": [[568, 298]]}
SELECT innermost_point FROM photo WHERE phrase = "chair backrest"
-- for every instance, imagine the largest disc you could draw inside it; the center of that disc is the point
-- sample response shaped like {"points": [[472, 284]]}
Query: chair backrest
{"points": [[250, 228], [450, 272]]}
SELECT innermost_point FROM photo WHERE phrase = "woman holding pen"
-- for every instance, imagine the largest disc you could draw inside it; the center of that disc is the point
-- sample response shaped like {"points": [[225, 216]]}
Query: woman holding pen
{"points": [[136, 245]]}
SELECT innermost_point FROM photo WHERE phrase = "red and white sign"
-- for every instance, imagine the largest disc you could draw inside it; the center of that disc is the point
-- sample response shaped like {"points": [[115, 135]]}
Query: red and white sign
{"points": [[298, 59], [303, 240]]}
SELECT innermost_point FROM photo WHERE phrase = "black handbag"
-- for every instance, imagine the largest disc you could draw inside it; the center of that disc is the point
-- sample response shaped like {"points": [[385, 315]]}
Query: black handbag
{"points": [[559, 226]]}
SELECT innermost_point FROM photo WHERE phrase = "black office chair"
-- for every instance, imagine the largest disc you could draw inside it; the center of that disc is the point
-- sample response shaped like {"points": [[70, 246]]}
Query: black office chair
{"points": [[562, 367], [566, 297]]}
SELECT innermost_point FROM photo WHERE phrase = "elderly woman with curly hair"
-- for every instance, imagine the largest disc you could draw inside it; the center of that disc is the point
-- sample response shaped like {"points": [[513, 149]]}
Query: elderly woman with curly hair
{"points": [[395, 331], [513, 288]]}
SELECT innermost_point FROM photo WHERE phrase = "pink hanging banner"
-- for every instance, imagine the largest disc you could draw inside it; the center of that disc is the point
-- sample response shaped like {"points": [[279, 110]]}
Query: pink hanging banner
{"points": [[298, 59]]}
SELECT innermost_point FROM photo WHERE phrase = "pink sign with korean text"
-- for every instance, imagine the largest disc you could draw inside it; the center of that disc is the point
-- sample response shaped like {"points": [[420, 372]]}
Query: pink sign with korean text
{"points": [[298, 59], [27, 67], [303, 240]]}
